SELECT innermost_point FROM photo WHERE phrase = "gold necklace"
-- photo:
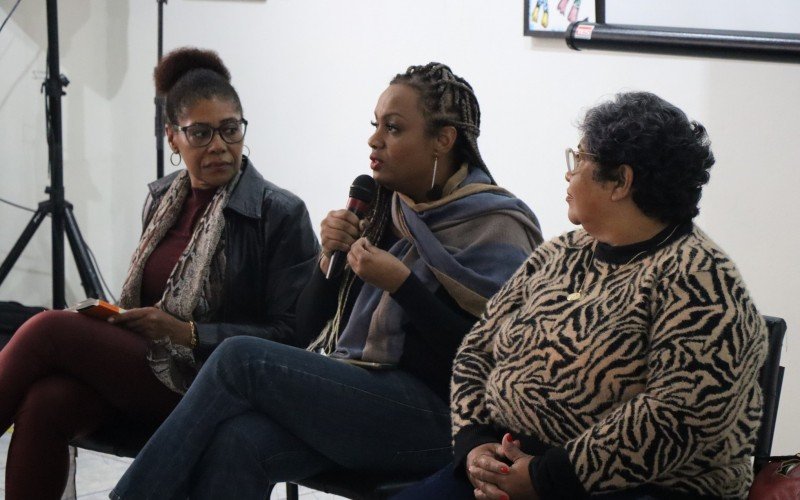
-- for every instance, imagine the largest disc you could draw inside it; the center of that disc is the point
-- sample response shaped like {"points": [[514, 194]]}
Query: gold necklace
{"points": [[579, 293]]}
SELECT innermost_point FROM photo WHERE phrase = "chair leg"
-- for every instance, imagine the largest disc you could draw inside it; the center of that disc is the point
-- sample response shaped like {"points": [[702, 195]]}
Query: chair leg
{"points": [[69, 491], [291, 492]]}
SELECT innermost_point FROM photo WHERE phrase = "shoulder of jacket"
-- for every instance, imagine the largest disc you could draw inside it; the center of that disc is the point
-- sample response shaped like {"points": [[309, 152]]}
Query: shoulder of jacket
{"points": [[255, 195]]}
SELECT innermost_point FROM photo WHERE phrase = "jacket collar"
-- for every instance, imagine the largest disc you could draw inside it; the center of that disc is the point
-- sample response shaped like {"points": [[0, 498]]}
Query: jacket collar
{"points": [[246, 199]]}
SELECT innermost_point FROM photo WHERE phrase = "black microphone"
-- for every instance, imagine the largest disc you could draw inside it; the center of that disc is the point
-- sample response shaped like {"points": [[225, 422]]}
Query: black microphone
{"points": [[361, 193]]}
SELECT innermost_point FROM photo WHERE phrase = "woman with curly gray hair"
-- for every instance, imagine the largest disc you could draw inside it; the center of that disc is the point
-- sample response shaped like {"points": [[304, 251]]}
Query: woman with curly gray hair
{"points": [[622, 358]]}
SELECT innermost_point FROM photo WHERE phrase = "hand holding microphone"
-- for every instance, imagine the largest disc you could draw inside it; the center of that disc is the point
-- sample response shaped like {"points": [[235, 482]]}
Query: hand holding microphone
{"points": [[340, 229]]}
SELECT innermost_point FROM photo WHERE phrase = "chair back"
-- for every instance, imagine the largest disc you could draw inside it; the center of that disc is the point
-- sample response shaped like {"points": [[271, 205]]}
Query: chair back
{"points": [[770, 380]]}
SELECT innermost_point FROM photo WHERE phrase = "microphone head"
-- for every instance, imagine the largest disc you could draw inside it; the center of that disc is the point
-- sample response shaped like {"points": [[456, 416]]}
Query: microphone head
{"points": [[363, 188]]}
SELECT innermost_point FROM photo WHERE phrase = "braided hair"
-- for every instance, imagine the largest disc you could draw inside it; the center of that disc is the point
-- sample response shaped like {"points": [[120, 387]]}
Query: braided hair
{"points": [[187, 75], [448, 100]]}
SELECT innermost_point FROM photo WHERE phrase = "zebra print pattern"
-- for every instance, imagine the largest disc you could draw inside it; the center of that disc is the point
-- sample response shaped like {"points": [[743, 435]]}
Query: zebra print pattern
{"points": [[651, 377]]}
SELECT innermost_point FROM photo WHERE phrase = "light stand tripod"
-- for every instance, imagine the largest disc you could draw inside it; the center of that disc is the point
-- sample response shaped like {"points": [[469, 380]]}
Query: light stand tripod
{"points": [[160, 100], [57, 207]]}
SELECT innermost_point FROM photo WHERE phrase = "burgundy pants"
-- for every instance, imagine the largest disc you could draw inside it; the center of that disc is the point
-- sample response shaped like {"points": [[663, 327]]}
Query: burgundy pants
{"points": [[62, 375]]}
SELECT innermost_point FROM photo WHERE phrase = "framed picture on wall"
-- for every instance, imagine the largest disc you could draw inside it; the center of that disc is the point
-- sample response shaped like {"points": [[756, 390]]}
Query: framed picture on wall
{"points": [[551, 17]]}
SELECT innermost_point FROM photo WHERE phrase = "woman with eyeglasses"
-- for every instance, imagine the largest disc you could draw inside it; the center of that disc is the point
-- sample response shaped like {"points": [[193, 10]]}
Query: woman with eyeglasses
{"points": [[622, 359], [223, 253]]}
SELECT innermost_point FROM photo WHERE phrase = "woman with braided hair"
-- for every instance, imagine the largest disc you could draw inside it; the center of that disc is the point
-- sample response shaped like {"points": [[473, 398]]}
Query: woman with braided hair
{"points": [[223, 253], [371, 392]]}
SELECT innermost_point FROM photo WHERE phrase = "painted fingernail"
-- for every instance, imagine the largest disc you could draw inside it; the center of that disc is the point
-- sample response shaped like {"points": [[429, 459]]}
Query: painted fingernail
{"points": [[510, 439], [503, 497], [504, 469]]}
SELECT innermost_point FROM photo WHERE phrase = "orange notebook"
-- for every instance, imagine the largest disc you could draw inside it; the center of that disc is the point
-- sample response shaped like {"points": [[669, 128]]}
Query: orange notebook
{"points": [[97, 308]]}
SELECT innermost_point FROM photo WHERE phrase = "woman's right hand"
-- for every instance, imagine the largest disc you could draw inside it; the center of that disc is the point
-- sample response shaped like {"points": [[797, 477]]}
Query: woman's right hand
{"points": [[484, 457], [338, 231]]}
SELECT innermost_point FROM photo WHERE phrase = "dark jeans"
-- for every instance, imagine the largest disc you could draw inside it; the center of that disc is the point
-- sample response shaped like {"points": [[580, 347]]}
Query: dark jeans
{"points": [[261, 413]]}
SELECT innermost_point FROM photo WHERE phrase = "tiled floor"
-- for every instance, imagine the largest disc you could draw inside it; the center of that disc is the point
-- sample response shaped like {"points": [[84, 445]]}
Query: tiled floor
{"points": [[98, 473]]}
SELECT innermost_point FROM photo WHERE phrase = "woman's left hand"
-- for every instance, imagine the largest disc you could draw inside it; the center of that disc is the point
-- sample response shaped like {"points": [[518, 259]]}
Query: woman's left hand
{"points": [[154, 323], [377, 267], [514, 484]]}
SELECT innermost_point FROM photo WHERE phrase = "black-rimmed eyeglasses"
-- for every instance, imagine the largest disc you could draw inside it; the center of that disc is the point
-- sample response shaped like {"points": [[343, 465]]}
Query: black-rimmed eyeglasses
{"points": [[200, 135], [574, 159]]}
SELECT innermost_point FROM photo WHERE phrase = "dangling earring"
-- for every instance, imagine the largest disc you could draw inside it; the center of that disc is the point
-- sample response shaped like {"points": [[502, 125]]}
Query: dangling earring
{"points": [[172, 160], [247, 154], [435, 192]]}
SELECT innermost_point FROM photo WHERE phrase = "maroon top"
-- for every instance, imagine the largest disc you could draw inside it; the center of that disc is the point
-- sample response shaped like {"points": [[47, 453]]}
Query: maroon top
{"points": [[164, 257]]}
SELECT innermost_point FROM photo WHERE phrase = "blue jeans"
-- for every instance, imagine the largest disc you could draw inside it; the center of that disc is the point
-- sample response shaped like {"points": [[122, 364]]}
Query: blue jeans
{"points": [[261, 412]]}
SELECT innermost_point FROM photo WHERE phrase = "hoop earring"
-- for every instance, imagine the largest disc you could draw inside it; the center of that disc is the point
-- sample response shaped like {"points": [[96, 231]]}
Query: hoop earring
{"points": [[435, 192], [247, 154], [172, 158]]}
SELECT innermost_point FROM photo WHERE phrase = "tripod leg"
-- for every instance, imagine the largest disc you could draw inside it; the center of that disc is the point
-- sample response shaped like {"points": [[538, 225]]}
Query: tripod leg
{"points": [[88, 272], [25, 237]]}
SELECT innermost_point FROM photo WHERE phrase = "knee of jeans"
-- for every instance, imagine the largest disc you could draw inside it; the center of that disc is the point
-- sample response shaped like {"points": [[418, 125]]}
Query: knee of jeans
{"points": [[233, 347], [235, 350]]}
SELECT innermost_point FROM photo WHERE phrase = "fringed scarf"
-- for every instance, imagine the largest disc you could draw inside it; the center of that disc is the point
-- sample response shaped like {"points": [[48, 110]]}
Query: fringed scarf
{"points": [[193, 290], [469, 242]]}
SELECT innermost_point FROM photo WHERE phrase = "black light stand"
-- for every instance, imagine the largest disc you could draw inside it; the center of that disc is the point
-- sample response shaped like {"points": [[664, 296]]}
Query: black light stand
{"points": [[160, 100], [57, 207]]}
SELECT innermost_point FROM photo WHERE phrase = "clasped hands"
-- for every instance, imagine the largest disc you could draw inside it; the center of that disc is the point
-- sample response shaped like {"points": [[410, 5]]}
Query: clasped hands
{"points": [[341, 230], [500, 471]]}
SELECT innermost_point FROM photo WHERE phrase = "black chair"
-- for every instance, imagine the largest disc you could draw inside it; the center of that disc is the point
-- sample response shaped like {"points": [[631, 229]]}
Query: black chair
{"points": [[770, 380], [123, 438]]}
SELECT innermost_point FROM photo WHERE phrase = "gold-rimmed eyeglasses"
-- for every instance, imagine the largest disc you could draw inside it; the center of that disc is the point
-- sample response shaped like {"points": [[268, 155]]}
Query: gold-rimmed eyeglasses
{"points": [[574, 159], [199, 135]]}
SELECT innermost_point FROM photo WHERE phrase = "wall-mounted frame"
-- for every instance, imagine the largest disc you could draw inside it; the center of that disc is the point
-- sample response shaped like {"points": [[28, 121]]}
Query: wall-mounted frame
{"points": [[711, 28], [550, 18]]}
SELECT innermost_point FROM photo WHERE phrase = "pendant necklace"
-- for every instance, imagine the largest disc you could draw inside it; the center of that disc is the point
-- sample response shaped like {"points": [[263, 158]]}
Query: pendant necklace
{"points": [[579, 293]]}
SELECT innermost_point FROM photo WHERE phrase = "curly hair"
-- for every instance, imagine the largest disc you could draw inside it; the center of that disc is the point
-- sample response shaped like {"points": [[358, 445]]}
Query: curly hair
{"points": [[670, 155], [448, 100], [187, 75]]}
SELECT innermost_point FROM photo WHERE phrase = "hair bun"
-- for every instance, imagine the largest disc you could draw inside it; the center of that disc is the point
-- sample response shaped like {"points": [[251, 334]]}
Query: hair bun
{"points": [[180, 61]]}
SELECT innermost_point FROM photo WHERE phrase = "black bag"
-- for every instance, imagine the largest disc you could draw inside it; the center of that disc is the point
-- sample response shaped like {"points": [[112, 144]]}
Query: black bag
{"points": [[12, 315]]}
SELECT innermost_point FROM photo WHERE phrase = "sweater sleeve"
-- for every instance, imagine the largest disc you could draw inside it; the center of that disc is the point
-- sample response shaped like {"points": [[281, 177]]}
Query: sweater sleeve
{"points": [[707, 343], [472, 425]]}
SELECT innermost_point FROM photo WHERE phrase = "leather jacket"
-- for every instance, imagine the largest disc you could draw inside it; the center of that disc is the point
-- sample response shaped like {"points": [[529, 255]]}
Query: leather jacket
{"points": [[270, 252]]}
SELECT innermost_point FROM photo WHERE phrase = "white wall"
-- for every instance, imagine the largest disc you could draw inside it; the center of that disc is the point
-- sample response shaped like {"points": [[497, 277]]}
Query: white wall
{"points": [[309, 73]]}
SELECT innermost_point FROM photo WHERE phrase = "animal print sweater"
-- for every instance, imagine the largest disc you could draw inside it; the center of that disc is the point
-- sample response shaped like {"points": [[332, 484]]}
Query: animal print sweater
{"points": [[649, 378]]}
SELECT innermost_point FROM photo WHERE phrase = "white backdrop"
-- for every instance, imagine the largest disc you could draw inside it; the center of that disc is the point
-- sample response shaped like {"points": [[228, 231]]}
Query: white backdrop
{"points": [[309, 73]]}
